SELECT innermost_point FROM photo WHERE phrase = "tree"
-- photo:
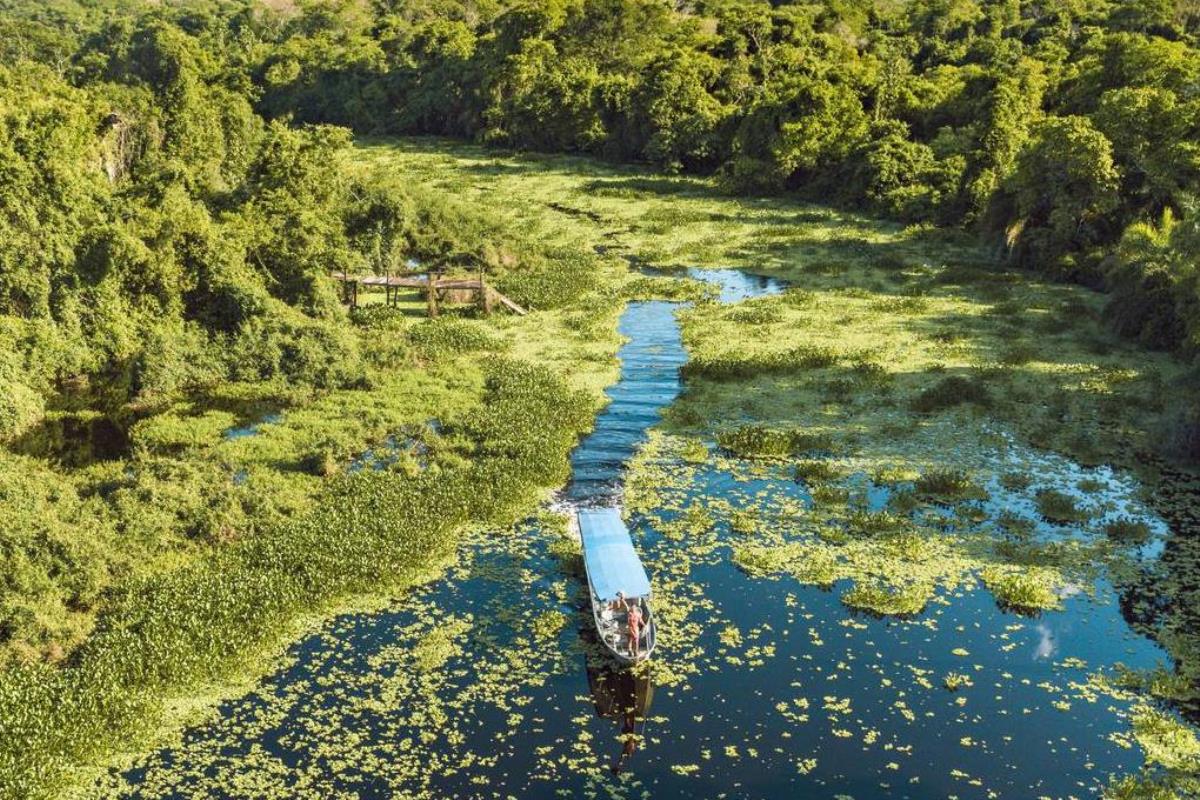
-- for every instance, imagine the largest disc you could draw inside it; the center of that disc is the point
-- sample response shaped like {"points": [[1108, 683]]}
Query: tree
{"points": [[1064, 188], [1156, 141], [799, 126]]}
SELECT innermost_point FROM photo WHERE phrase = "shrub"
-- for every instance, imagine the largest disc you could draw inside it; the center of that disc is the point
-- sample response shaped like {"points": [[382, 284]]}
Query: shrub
{"points": [[286, 345], [177, 429], [760, 441], [20, 408], [950, 392], [191, 624], [948, 484], [448, 336], [1059, 507], [817, 471]]}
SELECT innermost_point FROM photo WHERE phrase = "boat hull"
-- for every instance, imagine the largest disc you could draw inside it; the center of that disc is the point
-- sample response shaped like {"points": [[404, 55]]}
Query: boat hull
{"points": [[612, 630]]}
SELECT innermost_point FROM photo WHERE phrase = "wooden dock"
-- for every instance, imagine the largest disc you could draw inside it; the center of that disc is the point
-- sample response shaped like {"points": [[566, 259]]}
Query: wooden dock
{"points": [[436, 288]]}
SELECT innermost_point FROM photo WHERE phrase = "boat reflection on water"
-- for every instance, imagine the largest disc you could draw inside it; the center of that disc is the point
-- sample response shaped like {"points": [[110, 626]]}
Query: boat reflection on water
{"points": [[621, 693]]}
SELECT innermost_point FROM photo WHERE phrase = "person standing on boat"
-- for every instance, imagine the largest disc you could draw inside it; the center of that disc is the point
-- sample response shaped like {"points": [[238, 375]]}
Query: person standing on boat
{"points": [[618, 604], [635, 626]]}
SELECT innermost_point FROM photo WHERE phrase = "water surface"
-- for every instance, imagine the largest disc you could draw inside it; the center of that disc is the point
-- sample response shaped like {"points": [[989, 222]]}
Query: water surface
{"points": [[487, 683]]}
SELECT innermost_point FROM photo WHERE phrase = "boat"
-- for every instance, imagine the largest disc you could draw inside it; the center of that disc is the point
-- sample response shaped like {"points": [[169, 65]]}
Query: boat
{"points": [[614, 572]]}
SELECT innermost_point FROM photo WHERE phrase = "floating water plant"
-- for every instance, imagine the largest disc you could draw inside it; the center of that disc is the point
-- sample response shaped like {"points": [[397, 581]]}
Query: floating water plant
{"points": [[760, 441], [1027, 589], [907, 599], [817, 471], [1060, 507], [949, 485], [951, 391]]}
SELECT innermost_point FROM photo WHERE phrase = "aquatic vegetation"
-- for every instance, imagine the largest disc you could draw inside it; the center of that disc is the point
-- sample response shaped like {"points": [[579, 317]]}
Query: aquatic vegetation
{"points": [[949, 485], [1028, 590], [950, 392], [956, 680], [806, 563], [559, 279], [695, 451], [876, 523], [906, 599], [827, 495], [1167, 742], [410, 728], [817, 471], [449, 335], [727, 366], [657, 287], [373, 528], [1060, 507], [760, 441], [1124, 529], [1016, 481]]}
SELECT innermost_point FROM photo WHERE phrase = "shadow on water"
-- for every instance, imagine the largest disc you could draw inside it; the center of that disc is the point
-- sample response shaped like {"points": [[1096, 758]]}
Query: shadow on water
{"points": [[618, 693], [75, 439]]}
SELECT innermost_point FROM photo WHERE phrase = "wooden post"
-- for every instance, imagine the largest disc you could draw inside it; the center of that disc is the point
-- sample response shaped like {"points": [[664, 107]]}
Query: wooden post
{"points": [[431, 293], [485, 299]]}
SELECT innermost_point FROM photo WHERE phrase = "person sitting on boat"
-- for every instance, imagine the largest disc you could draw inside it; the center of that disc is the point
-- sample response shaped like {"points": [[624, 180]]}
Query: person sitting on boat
{"points": [[635, 627]]}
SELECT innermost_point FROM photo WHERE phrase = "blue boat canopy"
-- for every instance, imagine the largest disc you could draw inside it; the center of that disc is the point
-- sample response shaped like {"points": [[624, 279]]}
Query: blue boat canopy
{"points": [[612, 564]]}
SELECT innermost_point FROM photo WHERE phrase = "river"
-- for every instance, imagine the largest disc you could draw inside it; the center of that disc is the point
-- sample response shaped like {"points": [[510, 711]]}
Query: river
{"points": [[486, 683]]}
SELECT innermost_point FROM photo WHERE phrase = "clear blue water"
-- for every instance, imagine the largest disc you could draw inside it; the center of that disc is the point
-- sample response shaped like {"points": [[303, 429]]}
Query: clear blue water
{"points": [[252, 428]]}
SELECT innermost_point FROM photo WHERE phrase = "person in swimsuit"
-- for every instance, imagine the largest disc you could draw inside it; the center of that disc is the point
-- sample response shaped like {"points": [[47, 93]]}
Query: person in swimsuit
{"points": [[635, 627], [619, 603]]}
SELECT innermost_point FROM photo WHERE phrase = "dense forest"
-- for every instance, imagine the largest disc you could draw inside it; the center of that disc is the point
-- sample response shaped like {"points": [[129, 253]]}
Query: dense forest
{"points": [[178, 180], [155, 160]]}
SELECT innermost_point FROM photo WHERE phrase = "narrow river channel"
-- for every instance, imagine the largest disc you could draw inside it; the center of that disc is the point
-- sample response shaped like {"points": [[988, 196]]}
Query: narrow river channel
{"points": [[485, 683]]}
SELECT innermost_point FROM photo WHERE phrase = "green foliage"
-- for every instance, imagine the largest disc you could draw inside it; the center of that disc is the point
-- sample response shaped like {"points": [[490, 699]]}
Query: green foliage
{"points": [[1059, 507], [1028, 590], [446, 335], [817, 471], [760, 441], [169, 629], [558, 279], [166, 432], [949, 392], [948, 485], [729, 365], [1063, 190], [289, 346]]}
